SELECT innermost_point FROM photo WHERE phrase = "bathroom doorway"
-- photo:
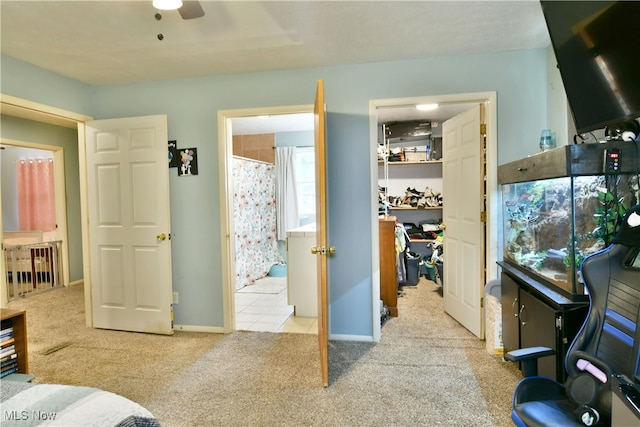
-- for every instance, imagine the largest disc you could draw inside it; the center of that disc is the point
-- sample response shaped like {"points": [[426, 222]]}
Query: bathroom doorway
{"points": [[257, 292]]}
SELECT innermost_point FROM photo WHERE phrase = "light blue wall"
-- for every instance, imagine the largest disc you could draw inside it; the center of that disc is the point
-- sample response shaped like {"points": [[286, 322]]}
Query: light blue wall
{"points": [[559, 119], [33, 83], [518, 77], [293, 139]]}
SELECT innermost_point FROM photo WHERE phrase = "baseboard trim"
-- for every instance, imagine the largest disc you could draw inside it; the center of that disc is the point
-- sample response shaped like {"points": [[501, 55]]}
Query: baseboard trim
{"points": [[77, 282], [199, 328], [342, 337]]}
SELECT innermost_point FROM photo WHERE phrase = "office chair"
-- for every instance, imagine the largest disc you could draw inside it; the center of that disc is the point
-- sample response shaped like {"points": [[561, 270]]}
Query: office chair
{"points": [[605, 348]]}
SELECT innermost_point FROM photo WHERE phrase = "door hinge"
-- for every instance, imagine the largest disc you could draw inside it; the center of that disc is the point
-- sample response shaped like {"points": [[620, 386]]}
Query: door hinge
{"points": [[483, 128], [481, 302], [483, 216], [559, 322]]}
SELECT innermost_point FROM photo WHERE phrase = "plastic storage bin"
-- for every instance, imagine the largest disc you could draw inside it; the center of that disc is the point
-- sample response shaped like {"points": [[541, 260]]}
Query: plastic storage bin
{"points": [[412, 270]]}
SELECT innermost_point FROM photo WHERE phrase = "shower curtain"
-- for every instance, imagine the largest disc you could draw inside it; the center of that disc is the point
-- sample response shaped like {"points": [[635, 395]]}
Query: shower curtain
{"points": [[254, 214]]}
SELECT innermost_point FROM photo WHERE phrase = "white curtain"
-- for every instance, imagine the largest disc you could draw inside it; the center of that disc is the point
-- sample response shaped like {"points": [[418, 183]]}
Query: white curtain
{"points": [[286, 192]]}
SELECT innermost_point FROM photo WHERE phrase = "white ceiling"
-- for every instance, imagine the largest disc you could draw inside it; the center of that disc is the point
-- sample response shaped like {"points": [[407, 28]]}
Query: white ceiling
{"points": [[272, 124], [110, 42], [304, 121]]}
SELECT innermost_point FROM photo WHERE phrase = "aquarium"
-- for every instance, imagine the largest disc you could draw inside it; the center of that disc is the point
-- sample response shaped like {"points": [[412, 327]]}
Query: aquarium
{"points": [[552, 222]]}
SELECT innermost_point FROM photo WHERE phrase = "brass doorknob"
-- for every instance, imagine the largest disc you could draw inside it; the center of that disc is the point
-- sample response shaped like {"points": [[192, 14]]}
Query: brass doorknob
{"points": [[442, 226], [323, 250], [161, 236]]}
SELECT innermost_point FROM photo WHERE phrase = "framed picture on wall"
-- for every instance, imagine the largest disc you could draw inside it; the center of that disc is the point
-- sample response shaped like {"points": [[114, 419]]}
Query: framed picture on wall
{"points": [[188, 161], [174, 156]]}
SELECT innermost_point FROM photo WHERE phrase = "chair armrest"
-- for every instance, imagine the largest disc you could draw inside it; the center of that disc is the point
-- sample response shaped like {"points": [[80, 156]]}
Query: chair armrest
{"points": [[579, 361], [529, 358]]}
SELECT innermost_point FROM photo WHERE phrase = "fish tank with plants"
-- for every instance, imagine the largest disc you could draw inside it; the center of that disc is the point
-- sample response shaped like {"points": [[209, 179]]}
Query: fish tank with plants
{"points": [[552, 222]]}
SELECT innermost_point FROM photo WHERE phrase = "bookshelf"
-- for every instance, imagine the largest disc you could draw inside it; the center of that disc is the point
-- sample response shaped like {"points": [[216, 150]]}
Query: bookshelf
{"points": [[18, 320]]}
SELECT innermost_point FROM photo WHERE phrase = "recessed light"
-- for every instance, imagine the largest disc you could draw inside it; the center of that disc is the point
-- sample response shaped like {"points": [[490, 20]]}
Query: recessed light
{"points": [[167, 4], [427, 107]]}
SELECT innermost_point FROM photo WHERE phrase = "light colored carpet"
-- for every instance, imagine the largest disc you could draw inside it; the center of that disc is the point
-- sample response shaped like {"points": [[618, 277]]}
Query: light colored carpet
{"points": [[266, 285], [427, 370]]}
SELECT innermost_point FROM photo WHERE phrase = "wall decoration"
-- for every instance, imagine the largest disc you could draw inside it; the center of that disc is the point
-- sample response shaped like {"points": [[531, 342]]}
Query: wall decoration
{"points": [[188, 162], [174, 157]]}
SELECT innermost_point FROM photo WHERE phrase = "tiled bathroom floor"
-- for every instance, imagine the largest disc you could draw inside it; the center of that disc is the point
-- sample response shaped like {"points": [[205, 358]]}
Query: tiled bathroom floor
{"points": [[270, 313]]}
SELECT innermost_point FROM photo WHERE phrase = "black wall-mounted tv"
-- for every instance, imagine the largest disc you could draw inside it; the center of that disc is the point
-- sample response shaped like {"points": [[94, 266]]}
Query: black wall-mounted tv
{"points": [[597, 47]]}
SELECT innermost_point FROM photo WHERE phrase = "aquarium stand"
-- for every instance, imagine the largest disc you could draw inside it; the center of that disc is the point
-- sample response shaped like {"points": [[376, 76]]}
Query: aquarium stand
{"points": [[534, 315]]}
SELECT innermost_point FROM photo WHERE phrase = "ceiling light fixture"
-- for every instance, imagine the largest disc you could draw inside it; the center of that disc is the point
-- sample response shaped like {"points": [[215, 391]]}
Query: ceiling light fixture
{"points": [[167, 4], [427, 107]]}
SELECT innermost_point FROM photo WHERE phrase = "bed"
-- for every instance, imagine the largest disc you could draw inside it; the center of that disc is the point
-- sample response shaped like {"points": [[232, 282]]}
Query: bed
{"points": [[31, 404]]}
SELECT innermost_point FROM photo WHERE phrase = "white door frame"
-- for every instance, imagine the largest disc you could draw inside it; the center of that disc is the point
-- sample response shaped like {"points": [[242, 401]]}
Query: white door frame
{"points": [[60, 201], [227, 227], [34, 111], [493, 230]]}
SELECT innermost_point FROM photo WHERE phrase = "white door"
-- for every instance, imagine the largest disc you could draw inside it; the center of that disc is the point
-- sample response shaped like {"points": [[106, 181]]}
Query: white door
{"points": [[463, 190], [129, 227]]}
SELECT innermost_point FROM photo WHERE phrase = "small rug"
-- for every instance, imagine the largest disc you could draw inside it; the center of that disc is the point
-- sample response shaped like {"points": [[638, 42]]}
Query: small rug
{"points": [[266, 285]]}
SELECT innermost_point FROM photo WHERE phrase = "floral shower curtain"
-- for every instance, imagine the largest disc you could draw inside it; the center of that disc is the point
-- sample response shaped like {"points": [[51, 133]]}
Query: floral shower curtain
{"points": [[36, 198], [254, 214]]}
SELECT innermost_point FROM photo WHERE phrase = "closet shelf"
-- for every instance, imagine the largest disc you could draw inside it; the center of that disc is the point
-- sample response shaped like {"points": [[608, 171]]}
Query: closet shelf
{"points": [[422, 240], [391, 208], [426, 162]]}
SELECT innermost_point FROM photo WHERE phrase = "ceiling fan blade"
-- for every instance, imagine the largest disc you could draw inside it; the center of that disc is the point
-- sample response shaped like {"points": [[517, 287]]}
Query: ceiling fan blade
{"points": [[191, 9]]}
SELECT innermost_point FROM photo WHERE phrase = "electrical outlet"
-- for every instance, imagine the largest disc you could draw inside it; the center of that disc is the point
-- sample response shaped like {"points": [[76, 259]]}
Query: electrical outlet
{"points": [[175, 297]]}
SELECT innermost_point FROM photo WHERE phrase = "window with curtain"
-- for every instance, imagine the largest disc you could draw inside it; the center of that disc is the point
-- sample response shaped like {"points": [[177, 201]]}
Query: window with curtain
{"points": [[305, 167], [36, 197], [286, 191]]}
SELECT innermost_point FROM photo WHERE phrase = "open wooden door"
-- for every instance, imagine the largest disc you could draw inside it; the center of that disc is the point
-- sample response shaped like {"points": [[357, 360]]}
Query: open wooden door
{"points": [[463, 190], [129, 224], [322, 248]]}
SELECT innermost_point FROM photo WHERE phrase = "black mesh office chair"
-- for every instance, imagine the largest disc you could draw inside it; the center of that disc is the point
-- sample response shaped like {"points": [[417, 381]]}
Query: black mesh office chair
{"points": [[605, 349]]}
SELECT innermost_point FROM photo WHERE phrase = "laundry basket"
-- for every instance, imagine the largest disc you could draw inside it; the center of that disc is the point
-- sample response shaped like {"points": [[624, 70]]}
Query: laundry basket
{"points": [[493, 318]]}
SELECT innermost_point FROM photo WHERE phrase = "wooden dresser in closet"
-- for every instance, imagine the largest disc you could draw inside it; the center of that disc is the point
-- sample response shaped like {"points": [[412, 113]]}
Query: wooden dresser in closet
{"points": [[388, 272]]}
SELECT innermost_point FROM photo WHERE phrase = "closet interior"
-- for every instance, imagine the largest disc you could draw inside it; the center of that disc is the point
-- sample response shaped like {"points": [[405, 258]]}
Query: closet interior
{"points": [[410, 198]]}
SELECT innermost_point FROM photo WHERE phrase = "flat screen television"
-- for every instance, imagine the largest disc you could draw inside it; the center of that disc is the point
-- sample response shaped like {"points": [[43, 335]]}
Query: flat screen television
{"points": [[597, 48]]}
